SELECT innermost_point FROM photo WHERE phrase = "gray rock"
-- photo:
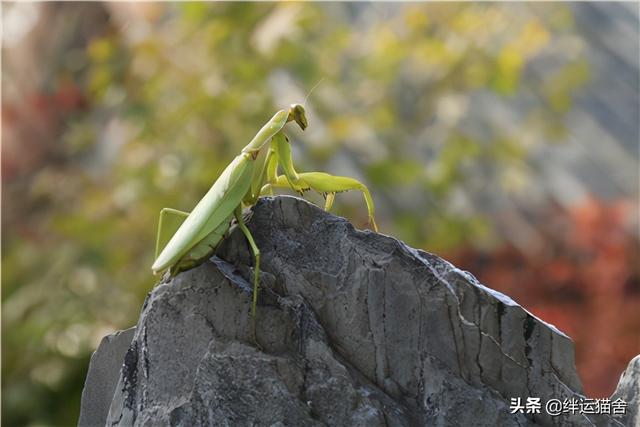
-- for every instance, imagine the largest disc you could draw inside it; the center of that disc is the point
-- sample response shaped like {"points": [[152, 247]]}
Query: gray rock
{"points": [[354, 327], [102, 378], [629, 391]]}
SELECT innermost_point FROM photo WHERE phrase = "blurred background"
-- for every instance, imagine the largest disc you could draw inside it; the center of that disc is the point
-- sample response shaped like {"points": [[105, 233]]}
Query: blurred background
{"points": [[503, 137]]}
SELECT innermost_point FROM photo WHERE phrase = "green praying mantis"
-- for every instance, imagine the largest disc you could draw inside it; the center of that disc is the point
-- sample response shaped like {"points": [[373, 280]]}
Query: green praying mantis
{"points": [[254, 172]]}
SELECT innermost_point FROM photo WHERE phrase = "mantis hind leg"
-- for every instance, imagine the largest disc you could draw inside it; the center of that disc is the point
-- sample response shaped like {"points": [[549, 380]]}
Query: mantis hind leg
{"points": [[165, 230], [256, 270]]}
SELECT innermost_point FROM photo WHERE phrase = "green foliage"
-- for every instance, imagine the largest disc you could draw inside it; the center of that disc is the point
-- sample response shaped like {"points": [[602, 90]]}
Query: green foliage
{"points": [[174, 98]]}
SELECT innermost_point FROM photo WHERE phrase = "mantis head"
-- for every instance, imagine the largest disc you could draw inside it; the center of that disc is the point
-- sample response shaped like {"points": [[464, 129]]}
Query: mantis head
{"points": [[297, 113]]}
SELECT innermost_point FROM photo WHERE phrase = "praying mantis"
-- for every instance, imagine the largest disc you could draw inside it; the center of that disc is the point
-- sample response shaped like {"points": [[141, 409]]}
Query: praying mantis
{"points": [[254, 172]]}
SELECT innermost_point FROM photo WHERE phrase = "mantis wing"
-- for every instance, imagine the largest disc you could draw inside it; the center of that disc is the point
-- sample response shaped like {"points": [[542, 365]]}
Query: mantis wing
{"points": [[215, 207]]}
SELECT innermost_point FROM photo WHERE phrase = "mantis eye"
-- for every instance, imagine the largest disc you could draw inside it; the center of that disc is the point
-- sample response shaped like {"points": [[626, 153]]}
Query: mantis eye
{"points": [[297, 113]]}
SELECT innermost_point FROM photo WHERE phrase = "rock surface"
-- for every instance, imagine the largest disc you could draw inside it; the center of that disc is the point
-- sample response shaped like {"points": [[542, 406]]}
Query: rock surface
{"points": [[628, 390], [102, 378], [354, 328]]}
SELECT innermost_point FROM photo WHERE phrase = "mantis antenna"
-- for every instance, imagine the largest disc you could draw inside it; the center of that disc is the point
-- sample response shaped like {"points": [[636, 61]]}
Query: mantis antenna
{"points": [[304, 103]]}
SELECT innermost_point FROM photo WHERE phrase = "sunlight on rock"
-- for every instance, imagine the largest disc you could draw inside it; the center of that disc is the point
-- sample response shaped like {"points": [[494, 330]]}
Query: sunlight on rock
{"points": [[99, 332]]}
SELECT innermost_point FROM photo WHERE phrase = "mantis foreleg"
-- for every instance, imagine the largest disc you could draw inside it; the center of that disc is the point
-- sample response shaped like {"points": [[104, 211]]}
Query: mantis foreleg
{"points": [[283, 151]]}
